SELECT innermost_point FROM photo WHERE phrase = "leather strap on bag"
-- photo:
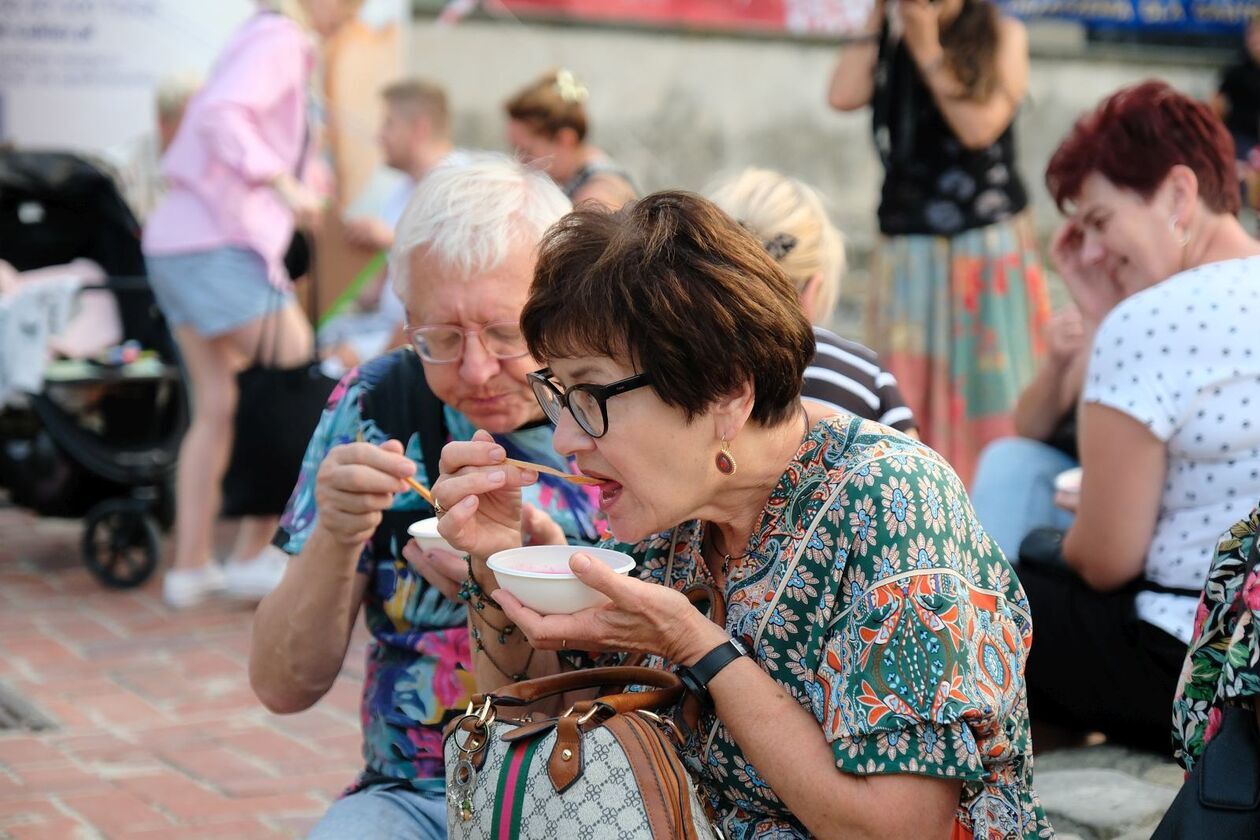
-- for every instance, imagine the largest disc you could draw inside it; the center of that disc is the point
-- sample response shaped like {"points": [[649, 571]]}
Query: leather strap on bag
{"points": [[667, 688], [564, 766]]}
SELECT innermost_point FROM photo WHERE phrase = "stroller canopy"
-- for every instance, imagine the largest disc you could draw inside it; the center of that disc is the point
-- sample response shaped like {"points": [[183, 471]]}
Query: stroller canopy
{"points": [[56, 207]]}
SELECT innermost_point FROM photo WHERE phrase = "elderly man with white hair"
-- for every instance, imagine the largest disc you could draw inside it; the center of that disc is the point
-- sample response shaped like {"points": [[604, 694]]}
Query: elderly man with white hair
{"points": [[462, 263]]}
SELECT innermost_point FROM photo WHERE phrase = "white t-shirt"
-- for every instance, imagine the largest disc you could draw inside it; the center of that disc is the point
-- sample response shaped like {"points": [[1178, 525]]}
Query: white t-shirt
{"points": [[1182, 357]]}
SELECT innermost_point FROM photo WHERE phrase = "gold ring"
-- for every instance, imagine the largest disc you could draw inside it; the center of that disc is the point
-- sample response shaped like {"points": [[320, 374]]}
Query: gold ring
{"points": [[438, 510], [564, 644]]}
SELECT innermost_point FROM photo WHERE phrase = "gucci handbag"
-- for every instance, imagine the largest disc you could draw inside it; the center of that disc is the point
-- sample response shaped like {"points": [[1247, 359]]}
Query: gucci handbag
{"points": [[606, 769]]}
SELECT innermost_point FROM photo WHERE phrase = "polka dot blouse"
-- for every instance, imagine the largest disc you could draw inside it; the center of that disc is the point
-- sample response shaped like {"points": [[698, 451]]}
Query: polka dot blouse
{"points": [[1182, 357]]}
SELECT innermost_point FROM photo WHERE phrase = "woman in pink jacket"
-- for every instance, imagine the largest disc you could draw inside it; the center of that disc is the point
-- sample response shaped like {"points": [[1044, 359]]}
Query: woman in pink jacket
{"points": [[215, 251]]}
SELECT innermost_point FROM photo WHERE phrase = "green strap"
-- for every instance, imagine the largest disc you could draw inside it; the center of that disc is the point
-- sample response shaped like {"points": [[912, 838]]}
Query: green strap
{"points": [[506, 824], [366, 275]]}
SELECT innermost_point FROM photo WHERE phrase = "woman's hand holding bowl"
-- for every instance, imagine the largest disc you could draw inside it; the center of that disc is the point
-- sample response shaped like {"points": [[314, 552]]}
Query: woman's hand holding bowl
{"points": [[641, 617]]}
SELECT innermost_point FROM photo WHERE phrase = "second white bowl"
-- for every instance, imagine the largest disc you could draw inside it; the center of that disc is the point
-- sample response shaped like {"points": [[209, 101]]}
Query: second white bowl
{"points": [[426, 535]]}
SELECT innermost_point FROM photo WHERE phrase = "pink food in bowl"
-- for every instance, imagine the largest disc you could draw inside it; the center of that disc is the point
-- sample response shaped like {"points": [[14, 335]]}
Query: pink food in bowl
{"points": [[542, 570], [540, 578]]}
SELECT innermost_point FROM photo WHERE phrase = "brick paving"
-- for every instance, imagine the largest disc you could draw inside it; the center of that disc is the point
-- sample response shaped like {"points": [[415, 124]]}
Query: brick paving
{"points": [[156, 733]]}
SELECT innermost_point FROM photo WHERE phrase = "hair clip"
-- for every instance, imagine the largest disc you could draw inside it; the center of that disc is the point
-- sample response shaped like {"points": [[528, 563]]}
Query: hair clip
{"points": [[569, 88], [780, 246]]}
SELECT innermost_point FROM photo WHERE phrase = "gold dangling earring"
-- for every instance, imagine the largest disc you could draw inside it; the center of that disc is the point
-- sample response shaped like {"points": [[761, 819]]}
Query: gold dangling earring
{"points": [[725, 460]]}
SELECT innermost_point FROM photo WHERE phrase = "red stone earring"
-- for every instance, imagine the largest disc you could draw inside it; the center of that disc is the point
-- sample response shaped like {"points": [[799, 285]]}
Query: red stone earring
{"points": [[725, 460]]}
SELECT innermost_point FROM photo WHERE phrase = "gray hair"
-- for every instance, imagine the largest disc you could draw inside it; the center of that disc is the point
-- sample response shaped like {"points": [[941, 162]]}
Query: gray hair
{"points": [[471, 212]]}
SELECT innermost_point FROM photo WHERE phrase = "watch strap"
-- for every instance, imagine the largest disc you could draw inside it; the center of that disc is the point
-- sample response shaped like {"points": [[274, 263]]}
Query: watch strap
{"points": [[697, 677]]}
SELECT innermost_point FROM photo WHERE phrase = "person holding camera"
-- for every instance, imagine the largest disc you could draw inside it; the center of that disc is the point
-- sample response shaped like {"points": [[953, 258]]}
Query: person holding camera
{"points": [[958, 299]]}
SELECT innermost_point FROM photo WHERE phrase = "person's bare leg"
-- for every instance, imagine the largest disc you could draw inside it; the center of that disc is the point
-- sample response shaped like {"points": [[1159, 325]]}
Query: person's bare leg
{"points": [[253, 534], [293, 341], [292, 338], [211, 371]]}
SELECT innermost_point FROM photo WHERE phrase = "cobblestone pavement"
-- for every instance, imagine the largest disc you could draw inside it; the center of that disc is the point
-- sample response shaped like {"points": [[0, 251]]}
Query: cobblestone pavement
{"points": [[155, 732], [1105, 792]]}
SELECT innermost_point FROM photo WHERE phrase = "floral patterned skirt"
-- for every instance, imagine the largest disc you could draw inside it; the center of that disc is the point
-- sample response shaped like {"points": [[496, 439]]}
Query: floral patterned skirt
{"points": [[959, 321]]}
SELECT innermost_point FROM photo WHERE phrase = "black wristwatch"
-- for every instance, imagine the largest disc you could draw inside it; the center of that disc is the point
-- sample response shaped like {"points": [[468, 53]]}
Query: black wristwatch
{"points": [[698, 676]]}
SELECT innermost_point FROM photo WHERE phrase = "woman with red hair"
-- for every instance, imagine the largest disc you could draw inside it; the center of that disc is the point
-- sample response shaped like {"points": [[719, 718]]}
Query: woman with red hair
{"points": [[1168, 284]]}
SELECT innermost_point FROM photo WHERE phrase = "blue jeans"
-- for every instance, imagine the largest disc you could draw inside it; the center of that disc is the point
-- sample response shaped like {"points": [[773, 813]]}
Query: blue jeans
{"points": [[385, 812], [1013, 490]]}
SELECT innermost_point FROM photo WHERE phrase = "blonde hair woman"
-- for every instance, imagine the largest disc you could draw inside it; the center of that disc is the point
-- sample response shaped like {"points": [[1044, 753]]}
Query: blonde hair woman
{"points": [[789, 219], [215, 249], [547, 126]]}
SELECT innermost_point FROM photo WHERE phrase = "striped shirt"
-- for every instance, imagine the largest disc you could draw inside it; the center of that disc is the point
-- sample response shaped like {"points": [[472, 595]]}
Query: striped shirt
{"points": [[846, 376]]}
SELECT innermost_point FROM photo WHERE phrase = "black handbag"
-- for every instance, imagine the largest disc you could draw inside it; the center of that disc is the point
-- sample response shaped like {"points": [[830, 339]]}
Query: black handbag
{"points": [[1042, 547], [1220, 799], [276, 413]]}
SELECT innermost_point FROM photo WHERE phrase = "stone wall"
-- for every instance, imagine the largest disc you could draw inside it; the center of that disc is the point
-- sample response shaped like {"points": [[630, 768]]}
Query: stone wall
{"points": [[679, 108]]}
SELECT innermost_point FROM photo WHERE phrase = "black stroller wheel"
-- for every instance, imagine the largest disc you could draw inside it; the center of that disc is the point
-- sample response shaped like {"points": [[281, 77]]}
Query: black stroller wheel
{"points": [[121, 544]]}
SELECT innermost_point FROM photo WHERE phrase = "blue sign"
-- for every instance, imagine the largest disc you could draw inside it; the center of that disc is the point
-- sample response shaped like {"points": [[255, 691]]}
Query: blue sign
{"points": [[1195, 15]]}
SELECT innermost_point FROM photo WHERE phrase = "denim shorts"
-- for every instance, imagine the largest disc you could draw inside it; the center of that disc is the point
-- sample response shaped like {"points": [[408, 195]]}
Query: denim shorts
{"points": [[215, 291], [393, 811]]}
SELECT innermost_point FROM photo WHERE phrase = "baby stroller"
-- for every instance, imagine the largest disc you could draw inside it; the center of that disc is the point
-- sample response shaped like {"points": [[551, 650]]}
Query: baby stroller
{"points": [[99, 441]]}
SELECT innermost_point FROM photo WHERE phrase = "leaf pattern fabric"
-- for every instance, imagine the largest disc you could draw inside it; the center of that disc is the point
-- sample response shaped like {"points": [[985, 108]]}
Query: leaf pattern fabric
{"points": [[877, 601]]}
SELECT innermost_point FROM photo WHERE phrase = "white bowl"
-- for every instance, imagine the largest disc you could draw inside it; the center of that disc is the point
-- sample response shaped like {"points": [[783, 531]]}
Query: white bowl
{"points": [[540, 578], [426, 535]]}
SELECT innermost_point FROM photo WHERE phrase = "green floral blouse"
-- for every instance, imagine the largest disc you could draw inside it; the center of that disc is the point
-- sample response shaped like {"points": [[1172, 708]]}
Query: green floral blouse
{"points": [[872, 595], [1223, 660]]}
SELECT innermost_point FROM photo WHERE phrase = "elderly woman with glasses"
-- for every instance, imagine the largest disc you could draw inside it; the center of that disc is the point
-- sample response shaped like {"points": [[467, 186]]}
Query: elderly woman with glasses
{"points": [[867, 680]]}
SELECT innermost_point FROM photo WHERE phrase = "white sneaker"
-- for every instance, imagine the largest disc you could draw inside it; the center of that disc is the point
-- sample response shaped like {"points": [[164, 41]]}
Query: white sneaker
{"points": [[252, 579], [182, 588]]}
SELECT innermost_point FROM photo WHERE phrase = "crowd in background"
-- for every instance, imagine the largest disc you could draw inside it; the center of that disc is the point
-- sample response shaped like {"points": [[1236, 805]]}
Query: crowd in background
{"points": [[1107, 448]]}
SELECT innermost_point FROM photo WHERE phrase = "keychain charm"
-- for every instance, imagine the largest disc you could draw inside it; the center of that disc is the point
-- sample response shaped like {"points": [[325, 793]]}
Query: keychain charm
{"points": [[459, 794]]}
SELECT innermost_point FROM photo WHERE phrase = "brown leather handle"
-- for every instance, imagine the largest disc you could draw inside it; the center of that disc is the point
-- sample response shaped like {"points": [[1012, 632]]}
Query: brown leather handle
{"points": [[668, 688], [633, 701], [703, 592]]}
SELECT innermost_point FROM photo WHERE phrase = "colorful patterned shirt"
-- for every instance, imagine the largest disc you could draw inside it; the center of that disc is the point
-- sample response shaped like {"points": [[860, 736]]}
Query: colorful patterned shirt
{"points": [[1223, 661], [872, 595], [418, 674]]}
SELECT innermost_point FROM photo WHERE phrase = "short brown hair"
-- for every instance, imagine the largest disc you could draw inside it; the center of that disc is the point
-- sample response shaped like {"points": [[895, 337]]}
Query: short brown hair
{"points": [[420, 97], [1135, 138], [677, 288], [547, 106]]}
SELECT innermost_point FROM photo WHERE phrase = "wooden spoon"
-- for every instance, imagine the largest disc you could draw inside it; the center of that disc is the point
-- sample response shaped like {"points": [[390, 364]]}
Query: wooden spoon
{"points": [[543, 468]]}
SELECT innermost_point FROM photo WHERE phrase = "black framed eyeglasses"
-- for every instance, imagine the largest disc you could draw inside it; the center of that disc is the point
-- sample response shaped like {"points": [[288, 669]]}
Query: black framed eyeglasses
{"points": [[444, 343], [587, 403]]}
